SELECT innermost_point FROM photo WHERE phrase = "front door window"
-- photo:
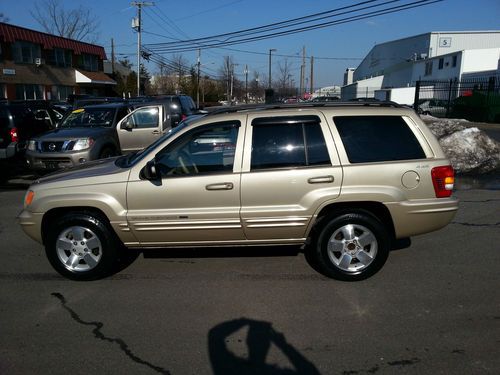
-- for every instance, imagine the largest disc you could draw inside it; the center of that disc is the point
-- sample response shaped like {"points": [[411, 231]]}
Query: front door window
{"points": [[208, 150]]}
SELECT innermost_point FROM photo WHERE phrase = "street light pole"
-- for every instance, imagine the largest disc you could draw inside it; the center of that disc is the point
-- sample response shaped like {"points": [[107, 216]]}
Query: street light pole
{"points": [[270, 51]]}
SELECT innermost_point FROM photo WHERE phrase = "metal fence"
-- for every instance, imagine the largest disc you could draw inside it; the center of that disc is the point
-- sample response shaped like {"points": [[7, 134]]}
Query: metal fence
{"points": [[475, 99]]}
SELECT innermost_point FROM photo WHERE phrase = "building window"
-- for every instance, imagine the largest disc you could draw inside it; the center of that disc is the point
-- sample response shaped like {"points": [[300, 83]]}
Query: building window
{"points": [[29, 92], [89, 63], [61, 92], [428, 68], [60, 57], [25, 52], [441, 63], [454, 61]]}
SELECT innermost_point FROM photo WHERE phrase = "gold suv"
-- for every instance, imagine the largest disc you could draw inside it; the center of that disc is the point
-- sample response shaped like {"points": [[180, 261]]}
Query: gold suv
{"points": [[347, 181]]}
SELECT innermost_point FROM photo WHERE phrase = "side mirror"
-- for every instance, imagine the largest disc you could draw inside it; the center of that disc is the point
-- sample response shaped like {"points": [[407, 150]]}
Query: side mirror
{"points": [[127, 124], [150, 171]]}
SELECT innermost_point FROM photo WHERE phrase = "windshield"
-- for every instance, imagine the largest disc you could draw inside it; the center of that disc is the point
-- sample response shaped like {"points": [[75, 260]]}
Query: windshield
{"points": [[130, 159], [89, 117]]}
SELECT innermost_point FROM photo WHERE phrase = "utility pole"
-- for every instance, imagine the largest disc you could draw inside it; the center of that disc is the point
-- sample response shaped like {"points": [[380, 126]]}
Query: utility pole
{"points": [[303, 70], [312, 75], [112, 56], [137, 25], [246, 83], [270, 51], [198, 80]]}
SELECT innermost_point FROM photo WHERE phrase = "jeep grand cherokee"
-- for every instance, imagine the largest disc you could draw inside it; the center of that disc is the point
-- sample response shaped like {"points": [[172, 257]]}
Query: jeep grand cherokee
{"points": [[344, 180]]}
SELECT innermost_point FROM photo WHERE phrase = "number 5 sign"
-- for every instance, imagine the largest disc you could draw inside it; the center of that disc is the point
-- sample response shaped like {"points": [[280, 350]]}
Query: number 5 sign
{"points": [[444, 42]]}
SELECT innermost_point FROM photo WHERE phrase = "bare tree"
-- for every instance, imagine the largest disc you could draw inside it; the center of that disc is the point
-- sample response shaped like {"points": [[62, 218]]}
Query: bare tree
{"points": [[78, 24], [256, 87], [226, 72], [180, 67], [284, 81]]}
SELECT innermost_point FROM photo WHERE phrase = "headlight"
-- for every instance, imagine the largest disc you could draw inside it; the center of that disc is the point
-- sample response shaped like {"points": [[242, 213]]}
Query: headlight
{"points": [[32, 145], [83, 144]]}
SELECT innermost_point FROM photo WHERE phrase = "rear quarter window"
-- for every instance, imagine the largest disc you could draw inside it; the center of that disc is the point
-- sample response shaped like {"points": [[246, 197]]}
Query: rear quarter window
{"points": [[377, 138]]}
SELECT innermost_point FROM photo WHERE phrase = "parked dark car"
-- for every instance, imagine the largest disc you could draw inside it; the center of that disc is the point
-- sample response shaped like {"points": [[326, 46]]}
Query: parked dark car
{"points": [[22, 120], [180, 107]]}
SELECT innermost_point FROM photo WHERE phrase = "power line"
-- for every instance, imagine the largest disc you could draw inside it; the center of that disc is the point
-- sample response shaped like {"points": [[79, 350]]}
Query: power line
{"points": [[276, 25], [167, 47]]}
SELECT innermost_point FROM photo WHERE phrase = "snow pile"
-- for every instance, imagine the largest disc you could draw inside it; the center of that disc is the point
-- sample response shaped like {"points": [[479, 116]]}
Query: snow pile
{"points": [[469, 149]]}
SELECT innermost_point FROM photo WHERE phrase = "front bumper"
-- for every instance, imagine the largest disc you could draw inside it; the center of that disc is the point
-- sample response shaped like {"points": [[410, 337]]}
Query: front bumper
{"points": [[31, 223], [55, 160]]}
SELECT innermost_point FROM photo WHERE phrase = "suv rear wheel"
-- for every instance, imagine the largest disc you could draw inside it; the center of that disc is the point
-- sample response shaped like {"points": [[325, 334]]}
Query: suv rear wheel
{"points": [[80, 246], [351, 246]]}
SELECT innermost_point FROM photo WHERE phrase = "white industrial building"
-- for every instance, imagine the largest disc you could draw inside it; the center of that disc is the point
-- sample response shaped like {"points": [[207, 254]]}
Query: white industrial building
{"points": [[432, 56]]}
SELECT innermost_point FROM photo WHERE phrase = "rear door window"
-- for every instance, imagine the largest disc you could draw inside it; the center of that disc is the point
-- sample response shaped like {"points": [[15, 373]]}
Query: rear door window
{"points": [[288, 142], [377, 138]]}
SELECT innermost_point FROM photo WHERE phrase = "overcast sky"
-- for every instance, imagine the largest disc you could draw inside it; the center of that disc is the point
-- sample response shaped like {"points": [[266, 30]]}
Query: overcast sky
{"points": [[335, 48]]}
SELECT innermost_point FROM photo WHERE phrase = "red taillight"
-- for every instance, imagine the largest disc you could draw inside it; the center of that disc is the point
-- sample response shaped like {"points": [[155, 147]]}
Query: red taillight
{"points": [[183, 117], [13, 135], [443, 179]]}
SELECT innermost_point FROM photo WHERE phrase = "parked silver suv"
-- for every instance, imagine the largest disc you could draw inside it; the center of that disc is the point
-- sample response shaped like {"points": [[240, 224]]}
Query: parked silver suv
{"points": [[345, 180]]}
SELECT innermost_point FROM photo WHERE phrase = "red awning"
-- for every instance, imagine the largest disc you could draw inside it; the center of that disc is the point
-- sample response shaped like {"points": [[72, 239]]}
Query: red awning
{"points": [[11, 33]]}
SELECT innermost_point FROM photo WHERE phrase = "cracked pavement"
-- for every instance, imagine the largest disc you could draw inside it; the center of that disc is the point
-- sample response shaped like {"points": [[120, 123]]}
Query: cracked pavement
{"points": [[434, 308]]}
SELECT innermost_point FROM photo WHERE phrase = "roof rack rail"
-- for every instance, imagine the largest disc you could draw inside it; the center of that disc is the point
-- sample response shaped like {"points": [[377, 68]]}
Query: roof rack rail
{"points": [[264, 107]]}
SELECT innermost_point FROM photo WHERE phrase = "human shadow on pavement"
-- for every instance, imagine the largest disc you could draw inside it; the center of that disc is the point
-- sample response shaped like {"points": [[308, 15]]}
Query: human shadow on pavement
{"points": [[259, 338]]}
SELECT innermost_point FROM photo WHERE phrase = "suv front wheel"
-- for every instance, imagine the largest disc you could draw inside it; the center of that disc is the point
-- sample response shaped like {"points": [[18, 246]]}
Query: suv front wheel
{"points": [[351, 246], [80, 246]]}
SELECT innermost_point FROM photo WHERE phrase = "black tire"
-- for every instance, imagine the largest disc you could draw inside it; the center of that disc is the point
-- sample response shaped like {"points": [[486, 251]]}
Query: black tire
{"points": [[107, 152], [81, 246], [345, 237]]}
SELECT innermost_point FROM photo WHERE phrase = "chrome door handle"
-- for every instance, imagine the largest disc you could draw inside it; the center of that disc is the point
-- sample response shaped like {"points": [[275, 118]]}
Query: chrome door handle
{"points": [[321, 180], [221, 186], [156, 132]]}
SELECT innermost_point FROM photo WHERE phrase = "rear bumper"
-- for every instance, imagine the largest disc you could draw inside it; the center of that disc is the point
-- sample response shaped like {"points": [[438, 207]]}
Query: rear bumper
{"points": [[422, 215]]}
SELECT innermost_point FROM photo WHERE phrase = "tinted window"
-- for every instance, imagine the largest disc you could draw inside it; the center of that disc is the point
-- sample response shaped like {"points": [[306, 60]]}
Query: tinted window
{"points": [[4, 118], [288, 142], [188, 105], [377, 138], [207, 149], [175, 105]]}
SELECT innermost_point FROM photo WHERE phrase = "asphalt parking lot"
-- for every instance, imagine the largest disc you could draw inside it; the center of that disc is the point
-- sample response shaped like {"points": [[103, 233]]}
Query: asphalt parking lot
{"points": [[434, 308]]}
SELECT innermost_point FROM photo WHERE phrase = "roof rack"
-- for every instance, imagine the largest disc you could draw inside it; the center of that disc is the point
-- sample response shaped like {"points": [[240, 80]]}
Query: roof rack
{"points": [[266, 107]]}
